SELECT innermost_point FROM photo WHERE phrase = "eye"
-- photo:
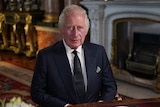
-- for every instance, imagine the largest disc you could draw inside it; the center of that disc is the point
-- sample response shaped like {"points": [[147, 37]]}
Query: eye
{"points": [[70, 27], [79, 27]]}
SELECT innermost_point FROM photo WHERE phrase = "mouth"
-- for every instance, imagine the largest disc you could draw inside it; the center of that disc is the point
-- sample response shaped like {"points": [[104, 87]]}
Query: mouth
{"points": [[75, 40]]}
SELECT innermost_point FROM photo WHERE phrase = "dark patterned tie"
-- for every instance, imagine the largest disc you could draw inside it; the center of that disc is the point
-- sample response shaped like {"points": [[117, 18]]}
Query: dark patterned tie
{"points": [[78, 77]]}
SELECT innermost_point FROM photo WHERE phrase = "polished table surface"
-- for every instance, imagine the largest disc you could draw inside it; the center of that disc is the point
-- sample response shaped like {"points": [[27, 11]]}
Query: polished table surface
{"points": [[149, 102]]}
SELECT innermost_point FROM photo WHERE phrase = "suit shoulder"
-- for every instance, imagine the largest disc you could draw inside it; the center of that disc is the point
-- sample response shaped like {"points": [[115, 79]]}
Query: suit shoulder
{"points": [[93, 45], [52, 48]]}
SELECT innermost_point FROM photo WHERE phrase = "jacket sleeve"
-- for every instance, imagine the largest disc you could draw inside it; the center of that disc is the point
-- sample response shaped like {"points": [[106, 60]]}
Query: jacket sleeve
{"points": [[109, 87], [38, 86]]}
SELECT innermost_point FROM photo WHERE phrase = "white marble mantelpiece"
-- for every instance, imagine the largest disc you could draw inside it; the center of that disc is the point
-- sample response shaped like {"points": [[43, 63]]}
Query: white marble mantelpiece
{"points": [[102, 13]]}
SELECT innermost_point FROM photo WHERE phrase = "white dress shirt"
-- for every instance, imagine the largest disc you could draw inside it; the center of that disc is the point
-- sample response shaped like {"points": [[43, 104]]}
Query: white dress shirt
{"points": [[80, 53]]}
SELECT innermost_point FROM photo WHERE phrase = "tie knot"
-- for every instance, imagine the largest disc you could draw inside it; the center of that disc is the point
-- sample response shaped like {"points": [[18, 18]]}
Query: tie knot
{"points": [[74, 52]]}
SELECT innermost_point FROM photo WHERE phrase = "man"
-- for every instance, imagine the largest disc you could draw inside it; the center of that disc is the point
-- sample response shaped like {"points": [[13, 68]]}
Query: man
{"points": [[53, 83]]}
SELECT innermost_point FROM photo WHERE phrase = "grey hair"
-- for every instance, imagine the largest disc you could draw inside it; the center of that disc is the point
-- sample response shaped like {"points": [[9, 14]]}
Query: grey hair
{"points": [[71, 8]]}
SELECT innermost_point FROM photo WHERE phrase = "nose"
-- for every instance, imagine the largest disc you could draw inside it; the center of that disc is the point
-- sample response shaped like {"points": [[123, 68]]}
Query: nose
{"points": [[75, 31]]}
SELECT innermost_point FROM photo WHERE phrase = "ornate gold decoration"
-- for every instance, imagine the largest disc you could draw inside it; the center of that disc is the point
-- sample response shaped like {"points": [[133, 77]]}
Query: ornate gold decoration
{"points": [[1, 21], [2, 29], [50, 18]]}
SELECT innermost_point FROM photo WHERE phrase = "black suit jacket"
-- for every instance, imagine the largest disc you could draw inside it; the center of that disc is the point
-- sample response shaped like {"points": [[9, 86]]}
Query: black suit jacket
{"points": [[52, 81]]}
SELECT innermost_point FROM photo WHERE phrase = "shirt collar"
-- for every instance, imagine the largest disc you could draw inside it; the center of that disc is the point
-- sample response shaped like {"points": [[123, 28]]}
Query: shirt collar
{"points": [[69, 50]]}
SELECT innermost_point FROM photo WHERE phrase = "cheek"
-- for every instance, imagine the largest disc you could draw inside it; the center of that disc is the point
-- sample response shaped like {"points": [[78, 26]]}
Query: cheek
{"points": [[84, 33], [67, 34]]}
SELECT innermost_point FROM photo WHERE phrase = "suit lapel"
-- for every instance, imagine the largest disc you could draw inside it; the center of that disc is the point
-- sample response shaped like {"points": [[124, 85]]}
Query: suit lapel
{"points": [[65, 71], [89, 67]]}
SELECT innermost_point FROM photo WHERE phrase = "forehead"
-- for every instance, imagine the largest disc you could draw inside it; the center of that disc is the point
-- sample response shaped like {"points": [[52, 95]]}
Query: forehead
{"points": [[75, 17]]}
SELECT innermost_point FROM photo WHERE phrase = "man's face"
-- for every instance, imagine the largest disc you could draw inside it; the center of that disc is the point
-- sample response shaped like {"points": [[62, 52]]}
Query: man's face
{"points": [[75, 30]]}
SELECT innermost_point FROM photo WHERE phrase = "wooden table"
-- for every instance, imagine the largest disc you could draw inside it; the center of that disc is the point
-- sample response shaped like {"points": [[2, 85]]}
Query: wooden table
{"points": [[150, 102]]}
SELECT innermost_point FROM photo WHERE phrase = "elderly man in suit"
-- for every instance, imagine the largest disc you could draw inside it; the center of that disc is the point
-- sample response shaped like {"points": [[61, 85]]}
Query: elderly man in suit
{"points": [[55, 82]]}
